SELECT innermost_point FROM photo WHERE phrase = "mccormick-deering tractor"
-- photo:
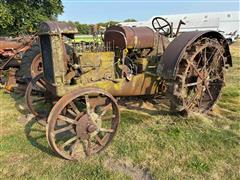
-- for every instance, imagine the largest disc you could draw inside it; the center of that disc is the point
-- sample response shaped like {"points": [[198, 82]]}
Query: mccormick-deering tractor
{"points": [[76, 91]]}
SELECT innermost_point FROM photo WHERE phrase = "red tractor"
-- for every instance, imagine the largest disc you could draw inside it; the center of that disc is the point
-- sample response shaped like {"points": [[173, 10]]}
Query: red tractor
{"points": [[20, 60]]}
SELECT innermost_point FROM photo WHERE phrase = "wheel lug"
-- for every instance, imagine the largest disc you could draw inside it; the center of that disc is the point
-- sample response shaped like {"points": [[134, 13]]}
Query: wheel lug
{"points": [[91, 128]]}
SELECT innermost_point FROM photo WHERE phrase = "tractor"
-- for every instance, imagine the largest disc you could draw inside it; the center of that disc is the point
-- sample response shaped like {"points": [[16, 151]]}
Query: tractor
{"points": [[77, 91], [20, 60]]}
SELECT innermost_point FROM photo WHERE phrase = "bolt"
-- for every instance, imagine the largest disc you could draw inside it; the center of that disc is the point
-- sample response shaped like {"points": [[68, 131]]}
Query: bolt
{"points": [[91, 128]]}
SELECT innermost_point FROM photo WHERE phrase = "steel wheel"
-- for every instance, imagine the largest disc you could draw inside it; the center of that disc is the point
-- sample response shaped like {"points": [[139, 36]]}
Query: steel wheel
{"points": [[82, 123], [38, 99], [36, 66], [200, 77]]}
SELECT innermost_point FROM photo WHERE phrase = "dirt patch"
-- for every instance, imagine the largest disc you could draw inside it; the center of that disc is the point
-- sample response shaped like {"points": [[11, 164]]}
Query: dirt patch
{"points": [[128, 169], [24, 119], [4, 131], [146, 104]]}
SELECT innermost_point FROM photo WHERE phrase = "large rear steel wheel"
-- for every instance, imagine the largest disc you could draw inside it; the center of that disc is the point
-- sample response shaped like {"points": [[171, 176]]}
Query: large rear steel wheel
{"points": [[199, 77], [82, 123]]}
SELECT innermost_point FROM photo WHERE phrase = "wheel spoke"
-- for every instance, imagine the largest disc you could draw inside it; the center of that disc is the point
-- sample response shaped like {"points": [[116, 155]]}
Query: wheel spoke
{"points": [[204, 59], [89, 145], [200, 59], [209, 93], [192, 84], [63, 129], [73, 148], [213, 53], [69, 141], [74, 107], [195, 69], [164, 26], [163, 30], [38, 100], [107, 117], [213, 64], [215, 78], [67, 119], [71, 112], [200, 100], [105, 109], [38, 88], [42, 82], [87, 104], [158, 24], [99, 140], [106, 130], [205, 54], [189, 102]]}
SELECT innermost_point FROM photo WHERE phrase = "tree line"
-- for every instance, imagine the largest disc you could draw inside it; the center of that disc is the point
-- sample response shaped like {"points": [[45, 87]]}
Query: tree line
{"points": [[87, 28], [20, 17]]}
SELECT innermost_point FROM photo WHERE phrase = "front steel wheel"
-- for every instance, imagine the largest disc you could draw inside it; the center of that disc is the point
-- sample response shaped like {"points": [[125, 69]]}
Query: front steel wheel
{"points": [[199, 78], [36, 66], [82, 123], [38, 99]]}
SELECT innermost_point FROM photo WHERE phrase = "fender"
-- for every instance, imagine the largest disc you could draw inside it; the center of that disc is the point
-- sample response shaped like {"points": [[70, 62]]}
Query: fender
{"points": [[168, 64]]}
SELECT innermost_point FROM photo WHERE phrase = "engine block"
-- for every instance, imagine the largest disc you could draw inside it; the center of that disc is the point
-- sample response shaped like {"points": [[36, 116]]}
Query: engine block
{"points": [[96, 67]]}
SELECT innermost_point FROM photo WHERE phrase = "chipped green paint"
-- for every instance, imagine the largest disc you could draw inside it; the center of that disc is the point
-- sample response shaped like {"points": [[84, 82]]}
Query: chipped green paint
{"points": [[92, 68], [141, 84]]}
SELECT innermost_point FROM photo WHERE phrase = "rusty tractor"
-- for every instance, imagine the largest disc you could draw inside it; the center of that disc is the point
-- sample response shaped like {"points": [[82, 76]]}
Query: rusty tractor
{"points": [[20, 60], [76, 93]]}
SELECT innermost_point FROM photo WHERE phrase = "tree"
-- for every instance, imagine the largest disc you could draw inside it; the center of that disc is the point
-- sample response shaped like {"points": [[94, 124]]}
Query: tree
{"points": [[23, 16], [109, 23], [83, 28], [6, 18], [130, 20]]}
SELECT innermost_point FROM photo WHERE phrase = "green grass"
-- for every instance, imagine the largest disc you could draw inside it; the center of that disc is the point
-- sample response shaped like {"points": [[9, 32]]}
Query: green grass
{"points": [[86, 38], [147, 143]]}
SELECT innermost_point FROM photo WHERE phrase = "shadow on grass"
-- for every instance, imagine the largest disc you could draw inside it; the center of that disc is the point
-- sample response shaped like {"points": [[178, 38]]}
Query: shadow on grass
{"points": [[37, 140], [19, 102], [148, 105]]}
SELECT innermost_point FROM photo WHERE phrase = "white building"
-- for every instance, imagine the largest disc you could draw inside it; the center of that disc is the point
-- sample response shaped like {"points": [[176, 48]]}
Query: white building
{"points": [[227, 23]]}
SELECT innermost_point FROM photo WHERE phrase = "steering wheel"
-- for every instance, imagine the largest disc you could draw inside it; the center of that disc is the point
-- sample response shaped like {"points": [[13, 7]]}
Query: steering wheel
{"points": [[162, 26]]}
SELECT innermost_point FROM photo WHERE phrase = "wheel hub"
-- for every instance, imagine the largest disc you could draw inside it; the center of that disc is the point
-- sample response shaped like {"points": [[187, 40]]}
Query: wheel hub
{"points": [[87, 126]]}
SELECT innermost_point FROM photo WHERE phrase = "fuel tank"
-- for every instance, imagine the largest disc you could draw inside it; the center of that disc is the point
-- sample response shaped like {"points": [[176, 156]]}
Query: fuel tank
{"points": [[129, 37]]}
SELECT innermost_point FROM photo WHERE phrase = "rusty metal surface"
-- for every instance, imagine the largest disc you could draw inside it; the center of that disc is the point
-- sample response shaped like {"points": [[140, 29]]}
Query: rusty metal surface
{"points": [[200, 77], [139, 85], [53, 27], [9, 47], [12, 53], [130, 37], [171, 57], [134, 62], [37, 65], [38, 99], [75, 127], [11, 80]]}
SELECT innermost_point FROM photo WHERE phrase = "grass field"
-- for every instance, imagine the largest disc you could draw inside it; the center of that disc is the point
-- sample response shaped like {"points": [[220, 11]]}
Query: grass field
{"points": [[85, 38], [149, 144]]}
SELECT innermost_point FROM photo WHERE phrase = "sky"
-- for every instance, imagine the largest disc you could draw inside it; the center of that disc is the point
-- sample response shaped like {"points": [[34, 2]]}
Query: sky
{"points": [[94, 11]]}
